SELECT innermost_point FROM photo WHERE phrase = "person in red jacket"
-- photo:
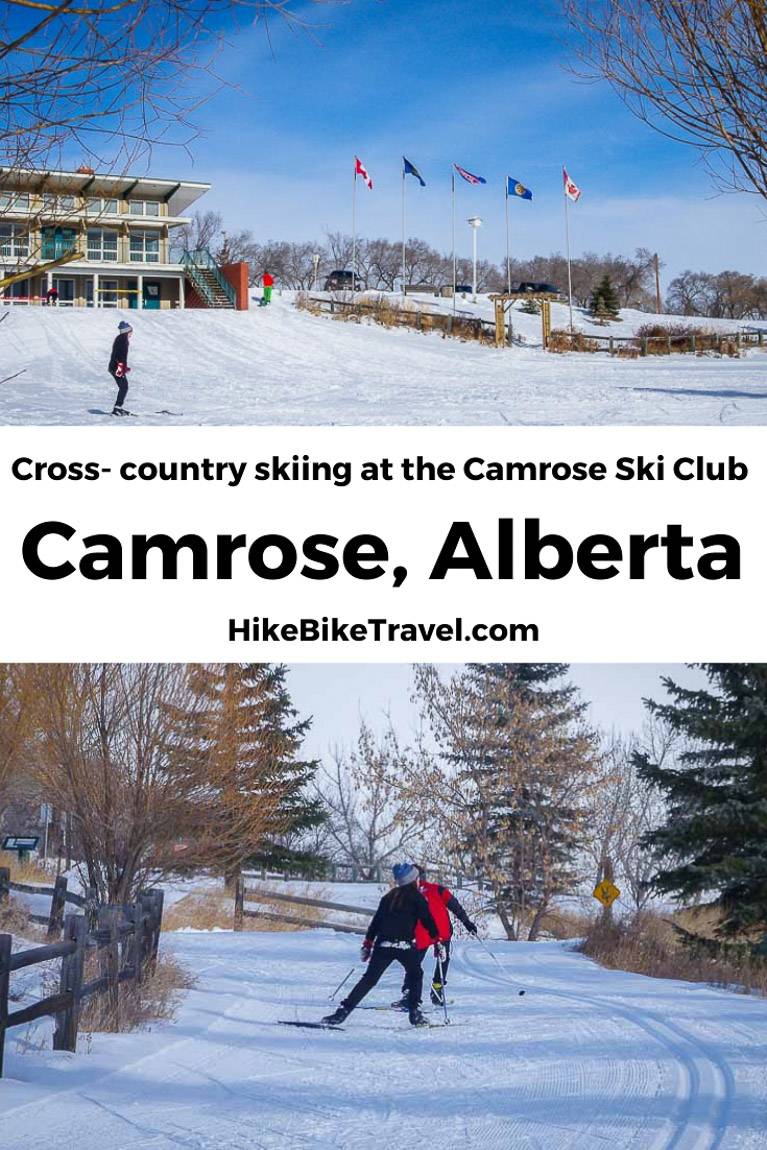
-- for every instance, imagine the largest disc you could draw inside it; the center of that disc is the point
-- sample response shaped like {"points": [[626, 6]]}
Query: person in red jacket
{"points": [[267, 280], [442, 903]]}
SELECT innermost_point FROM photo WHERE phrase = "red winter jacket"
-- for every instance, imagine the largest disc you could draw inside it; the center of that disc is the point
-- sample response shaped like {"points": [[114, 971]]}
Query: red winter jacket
{"points": [[440, 902], [268, 281]]}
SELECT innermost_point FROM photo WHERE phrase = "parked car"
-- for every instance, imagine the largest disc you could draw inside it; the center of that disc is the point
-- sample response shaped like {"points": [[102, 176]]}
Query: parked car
{"points": [[341, 280], [463, 289], [531, 287]]}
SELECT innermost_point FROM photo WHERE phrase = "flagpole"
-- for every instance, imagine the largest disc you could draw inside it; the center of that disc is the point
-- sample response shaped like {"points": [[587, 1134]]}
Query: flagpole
{"points": [[567, 241], [354, 227], [403, 225], [508, 250], [455, 280]]}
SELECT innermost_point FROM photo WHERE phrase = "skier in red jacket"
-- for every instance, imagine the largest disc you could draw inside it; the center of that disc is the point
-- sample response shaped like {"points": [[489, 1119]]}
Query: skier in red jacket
{"points": [[442, 903]]}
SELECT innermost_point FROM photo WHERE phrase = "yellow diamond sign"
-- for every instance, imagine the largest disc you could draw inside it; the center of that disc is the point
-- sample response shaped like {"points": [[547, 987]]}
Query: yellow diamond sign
{"points": [[606, 892]]}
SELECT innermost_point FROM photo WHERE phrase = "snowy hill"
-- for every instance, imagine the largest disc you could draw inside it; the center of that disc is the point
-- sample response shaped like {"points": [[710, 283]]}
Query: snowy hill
{"points": [[588, 1058], [279, 365]]}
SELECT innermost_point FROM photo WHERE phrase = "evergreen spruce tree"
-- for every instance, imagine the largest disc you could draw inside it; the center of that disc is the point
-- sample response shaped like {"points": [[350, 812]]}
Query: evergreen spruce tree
{"points": [[537, 762], [244, 751], [604, 304], [713, 845]]}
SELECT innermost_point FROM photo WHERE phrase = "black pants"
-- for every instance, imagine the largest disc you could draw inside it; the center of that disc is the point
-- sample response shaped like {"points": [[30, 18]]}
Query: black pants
{"points": [[435, 979], [380, 960], [122, 388]]}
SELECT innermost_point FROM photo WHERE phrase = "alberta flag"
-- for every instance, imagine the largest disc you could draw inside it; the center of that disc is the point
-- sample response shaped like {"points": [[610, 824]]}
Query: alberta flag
{"points": [[469, 177], [514, 188], [411, 170]]}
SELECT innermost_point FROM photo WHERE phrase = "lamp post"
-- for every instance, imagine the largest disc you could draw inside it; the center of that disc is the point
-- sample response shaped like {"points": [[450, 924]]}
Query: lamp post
{"points": [[475, 223], [316, 262]]}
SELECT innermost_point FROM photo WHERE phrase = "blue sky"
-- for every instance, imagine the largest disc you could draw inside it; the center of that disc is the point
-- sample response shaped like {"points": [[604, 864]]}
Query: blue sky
{"points": [[485, 83]]}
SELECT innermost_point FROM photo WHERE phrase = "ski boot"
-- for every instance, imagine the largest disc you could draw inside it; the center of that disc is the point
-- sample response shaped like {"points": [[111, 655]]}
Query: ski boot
{"points": [[437, 993], [337, 1017], [417, 1019], [401, 1003]]}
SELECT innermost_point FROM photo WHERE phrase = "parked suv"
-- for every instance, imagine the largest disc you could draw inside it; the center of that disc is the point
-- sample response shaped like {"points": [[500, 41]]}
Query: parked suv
{"points": [[536, 288], [341, 280]]}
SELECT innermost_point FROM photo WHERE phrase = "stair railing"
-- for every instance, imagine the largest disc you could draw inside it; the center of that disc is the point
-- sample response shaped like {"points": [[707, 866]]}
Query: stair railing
{"points": [[199, 265]]}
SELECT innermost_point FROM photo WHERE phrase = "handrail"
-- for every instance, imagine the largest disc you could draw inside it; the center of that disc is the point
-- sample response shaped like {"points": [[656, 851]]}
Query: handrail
{"points": [[201, 259]]}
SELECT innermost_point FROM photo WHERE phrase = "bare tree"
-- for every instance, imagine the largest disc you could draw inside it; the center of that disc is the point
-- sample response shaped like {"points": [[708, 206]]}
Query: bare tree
{"points": [[103, 77], [12, 731], [624, 809], [694, 69], [369, 824], [506, 787], [100, 738]]}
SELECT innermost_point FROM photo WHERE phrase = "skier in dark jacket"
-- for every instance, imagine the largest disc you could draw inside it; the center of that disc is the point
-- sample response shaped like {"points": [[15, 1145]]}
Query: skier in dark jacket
{"points": [[442, 904], [390, 937], [118, 365]]}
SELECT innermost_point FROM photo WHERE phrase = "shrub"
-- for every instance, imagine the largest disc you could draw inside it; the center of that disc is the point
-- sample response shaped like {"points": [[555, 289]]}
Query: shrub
{"points": [[662, 948], [156, 999]]}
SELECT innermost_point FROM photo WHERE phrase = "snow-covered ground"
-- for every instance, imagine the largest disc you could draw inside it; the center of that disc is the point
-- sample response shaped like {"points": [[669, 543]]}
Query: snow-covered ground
{"points": [[588, 1058], [279, 365]]}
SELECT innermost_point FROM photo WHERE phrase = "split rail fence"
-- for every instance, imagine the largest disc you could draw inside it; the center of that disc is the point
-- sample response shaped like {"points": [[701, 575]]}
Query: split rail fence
{"points": [[241, 911], [123, 939], [666, 344], [464, 325]]}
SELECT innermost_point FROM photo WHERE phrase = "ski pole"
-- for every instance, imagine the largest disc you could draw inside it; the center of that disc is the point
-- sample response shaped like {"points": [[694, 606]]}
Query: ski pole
{"points": [[495, 960], [442, 982], [342, 983]]}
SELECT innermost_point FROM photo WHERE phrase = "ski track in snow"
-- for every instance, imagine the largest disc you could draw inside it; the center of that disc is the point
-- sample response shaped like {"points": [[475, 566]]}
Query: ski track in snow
{"points": [[279, 365], [589, 1058]]}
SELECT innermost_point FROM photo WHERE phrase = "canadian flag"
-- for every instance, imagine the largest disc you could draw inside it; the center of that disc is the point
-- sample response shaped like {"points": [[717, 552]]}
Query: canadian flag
{"points": [[361, 170], [572, 191]]}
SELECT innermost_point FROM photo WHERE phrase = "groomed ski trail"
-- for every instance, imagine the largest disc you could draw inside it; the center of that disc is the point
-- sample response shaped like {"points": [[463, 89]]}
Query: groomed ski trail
{"points": [[707, 1084], [587, 1059]]}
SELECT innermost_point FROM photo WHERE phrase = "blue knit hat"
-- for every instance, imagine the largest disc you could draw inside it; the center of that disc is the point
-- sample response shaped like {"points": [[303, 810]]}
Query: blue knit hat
{"points": [[404, 873], [124, 326]]}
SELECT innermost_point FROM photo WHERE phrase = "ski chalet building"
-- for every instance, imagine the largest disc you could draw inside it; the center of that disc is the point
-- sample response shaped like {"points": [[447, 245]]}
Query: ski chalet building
{"points": [[106, 241]]}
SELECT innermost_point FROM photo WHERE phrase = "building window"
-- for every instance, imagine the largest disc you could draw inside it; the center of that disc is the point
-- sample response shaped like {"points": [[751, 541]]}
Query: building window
{"points": [[144, 207], [100, 207], [14, 241], [14, 201], [102, 244], [53, 203], [144, 248]]}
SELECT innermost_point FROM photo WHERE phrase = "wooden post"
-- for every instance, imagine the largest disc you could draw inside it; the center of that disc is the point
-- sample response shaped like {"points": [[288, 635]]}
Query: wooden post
{"points": [[545, 323], [109, 959], [91, 907], [72, 966], [608, 875], [500, 326], [5, 884], [5, 979], [58, 906], [239, 903]]}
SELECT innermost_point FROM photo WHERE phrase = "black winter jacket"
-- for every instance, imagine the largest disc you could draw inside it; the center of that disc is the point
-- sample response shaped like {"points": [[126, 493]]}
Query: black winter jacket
{"points": [[119, 352], [398, 912]]}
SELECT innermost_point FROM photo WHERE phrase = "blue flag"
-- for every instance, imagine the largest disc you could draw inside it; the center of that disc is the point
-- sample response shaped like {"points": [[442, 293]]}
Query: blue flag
{"points": [[514, 188], [411, 170]]}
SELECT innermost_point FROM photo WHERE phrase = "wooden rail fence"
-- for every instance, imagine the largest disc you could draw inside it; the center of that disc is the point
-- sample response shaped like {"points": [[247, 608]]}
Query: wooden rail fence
{"points": [[125, 940], [458, 324], [241, 912], [666, 344]]}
